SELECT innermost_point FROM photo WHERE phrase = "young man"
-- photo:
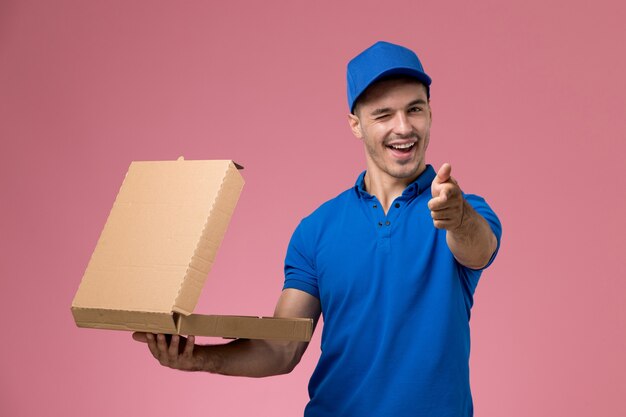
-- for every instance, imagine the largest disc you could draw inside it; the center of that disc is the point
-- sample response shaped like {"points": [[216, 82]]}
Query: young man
{"points": [[392, 263]]}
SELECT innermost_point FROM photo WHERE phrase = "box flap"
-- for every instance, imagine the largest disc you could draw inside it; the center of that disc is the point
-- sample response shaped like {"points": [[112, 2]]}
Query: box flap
{"points": [[161, 237], [213, 232]]}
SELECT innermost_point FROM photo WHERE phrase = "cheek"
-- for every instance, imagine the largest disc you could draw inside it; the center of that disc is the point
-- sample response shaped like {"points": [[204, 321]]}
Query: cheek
{"points": [[376, 133], [425, 134]]}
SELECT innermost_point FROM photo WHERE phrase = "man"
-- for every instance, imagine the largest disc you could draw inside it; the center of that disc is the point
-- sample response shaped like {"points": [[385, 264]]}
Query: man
{"points": [[392, 263]]}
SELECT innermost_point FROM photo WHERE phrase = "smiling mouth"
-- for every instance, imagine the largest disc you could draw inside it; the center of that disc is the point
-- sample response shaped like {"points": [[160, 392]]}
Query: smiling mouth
{"points": [[404, 147]]}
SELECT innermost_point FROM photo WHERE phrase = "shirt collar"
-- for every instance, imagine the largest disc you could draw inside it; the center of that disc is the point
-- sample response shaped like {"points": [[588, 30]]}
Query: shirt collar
{"points": [[415, 188]]}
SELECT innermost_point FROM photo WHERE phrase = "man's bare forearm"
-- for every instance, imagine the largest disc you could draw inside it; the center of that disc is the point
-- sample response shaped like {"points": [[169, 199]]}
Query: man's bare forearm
{"points": [[252, 358], [473, 242]]}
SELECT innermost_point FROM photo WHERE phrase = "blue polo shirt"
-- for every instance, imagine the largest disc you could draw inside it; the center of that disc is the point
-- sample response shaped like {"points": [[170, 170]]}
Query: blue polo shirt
{"points": [[395, 302]]}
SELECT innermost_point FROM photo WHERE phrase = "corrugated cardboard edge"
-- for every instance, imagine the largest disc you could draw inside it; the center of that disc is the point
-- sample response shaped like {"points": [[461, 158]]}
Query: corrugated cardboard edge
{"points": [[143, 321], [206, 249], [244, 327]]}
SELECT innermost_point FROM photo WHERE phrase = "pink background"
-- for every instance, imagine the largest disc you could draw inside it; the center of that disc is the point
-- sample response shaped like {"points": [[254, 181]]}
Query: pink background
{"points": [[528, 99]]}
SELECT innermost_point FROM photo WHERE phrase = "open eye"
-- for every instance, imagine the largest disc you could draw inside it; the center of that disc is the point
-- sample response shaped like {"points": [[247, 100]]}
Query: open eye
{"points": [[414, 109]]}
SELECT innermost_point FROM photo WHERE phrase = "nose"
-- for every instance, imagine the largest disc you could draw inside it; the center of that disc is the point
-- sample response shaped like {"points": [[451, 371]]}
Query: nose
{"points": [[401, 125]]}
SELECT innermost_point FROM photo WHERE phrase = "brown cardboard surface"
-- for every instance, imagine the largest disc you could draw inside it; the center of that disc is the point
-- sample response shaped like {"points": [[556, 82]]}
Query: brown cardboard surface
{"points": [[157, 248], [246, 327]]}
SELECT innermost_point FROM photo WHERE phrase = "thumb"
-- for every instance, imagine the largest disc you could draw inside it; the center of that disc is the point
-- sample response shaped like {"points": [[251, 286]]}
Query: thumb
{"points": [[140, 337], [444, 172], [442, 176]]}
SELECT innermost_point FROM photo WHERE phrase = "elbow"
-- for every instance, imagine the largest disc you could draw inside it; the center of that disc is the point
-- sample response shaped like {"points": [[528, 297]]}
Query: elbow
{"points": [[492, 247], [480, 258], [288, 355], [486, 256], [287, 369]]}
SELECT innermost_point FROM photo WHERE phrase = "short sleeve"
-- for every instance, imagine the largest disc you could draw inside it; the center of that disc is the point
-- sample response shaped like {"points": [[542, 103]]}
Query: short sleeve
{"points": [[300, 271]]}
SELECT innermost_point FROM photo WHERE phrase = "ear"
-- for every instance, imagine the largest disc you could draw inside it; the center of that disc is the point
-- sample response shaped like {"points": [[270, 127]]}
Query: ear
{"points": [[355, 126]]}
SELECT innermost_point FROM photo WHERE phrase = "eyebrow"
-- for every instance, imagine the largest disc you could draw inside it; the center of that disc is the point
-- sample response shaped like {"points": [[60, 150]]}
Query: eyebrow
{"points": [[416, 102], [383, 110]]}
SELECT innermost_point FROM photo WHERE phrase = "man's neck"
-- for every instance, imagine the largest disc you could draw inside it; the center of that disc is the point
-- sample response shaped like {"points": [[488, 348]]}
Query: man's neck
{"points": [[385, 187]]}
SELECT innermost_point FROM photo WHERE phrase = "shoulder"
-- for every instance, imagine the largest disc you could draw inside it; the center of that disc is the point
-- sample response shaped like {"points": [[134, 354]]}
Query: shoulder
{"points": [[326, 218], [330, 209], [316, 225]]}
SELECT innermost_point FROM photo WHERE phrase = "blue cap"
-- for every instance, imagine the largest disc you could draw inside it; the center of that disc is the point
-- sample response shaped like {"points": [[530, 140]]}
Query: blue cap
{"points": [[381, 60]]}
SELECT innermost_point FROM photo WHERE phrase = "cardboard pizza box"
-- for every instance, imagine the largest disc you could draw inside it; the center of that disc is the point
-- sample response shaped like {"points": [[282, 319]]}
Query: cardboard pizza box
{"points": [[156, 250]]}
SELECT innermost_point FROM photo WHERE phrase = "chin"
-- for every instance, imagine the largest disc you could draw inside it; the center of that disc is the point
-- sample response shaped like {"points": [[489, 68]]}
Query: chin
{"points": [[404, 174], [405, 171]]}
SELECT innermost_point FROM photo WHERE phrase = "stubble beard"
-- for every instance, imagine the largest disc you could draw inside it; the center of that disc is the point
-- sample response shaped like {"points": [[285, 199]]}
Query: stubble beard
{"points": [[399, 170]]}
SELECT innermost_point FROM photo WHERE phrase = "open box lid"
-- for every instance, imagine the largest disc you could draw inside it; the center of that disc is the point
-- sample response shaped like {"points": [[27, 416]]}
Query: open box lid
{"points": [[157, 247]]}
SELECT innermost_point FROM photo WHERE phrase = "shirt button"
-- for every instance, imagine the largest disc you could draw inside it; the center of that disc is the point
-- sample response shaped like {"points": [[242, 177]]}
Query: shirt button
{"points": [[387, 223], [374, 206], [380, 223], [397, 205]]}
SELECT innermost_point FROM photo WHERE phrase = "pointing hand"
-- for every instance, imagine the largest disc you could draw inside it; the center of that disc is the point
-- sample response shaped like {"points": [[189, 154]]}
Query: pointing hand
{"points": [[447, 205]]}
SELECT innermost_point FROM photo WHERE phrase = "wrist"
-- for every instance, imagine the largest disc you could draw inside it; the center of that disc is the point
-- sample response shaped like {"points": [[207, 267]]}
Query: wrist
{"points": [[205, 360], [465, 221]]}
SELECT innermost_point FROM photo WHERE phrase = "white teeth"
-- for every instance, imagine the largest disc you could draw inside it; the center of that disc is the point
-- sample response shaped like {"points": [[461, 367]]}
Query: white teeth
{"points": [[403, 146]]}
